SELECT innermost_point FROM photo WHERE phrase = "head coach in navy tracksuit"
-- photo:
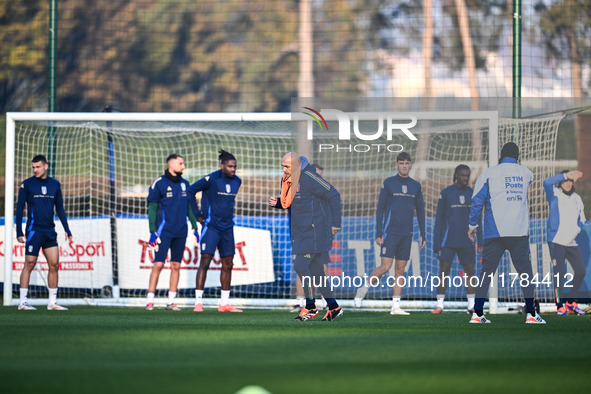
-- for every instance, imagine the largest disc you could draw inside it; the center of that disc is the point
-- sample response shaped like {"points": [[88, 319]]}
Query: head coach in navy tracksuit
{"points": [[315, 217]]}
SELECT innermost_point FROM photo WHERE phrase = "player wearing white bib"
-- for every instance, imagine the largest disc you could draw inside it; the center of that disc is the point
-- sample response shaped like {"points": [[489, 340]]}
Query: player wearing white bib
{"points": [[501, 191]]}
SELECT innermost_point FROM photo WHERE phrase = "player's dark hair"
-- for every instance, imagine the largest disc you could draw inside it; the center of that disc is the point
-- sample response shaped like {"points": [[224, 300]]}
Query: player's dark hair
{"points": [[173, 156], [318, 166], [39, 158], [459, 168], [403, 156], [224, 156], [510, 149], [572, 189]]}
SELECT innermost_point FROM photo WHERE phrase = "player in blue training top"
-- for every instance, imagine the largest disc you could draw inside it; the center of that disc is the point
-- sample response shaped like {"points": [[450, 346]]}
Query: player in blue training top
{"points": [[43, 196], [501, 191], [169, 205], [450, 237], [566, 219], [399, 198], [217, 204]]}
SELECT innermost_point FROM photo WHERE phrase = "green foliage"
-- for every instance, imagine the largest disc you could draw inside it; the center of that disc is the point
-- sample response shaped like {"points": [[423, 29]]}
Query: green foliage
{"points": [[488, 26], [243, 55], [180, 55], [23, 57], [566, 22], [160, 55]]}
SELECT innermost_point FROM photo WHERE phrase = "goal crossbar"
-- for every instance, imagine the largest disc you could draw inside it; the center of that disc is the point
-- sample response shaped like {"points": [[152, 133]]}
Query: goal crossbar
{"points": [[491, 117]]}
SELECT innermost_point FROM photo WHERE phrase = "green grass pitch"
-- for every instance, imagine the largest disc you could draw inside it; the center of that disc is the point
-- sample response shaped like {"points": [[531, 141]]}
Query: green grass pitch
{"points": [[130, 350]]}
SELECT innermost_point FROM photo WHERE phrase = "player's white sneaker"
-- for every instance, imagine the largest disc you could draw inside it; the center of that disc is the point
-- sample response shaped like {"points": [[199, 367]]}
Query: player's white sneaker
{"points": [[478, 319], [399, 312], [360, 295], [56, 307], [172, 307], [534, 319], [26, 307]]}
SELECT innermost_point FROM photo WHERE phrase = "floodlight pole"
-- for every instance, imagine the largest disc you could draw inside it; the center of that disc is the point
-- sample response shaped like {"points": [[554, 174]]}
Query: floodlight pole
{"points": [[52, 55], [52, 88], [306, 63], [516, 59]]}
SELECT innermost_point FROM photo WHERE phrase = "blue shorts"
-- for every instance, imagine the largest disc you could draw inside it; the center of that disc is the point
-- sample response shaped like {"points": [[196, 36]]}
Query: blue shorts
{"points": [[176, 246], [396, 246], [39, 239], [467, 256], [223, 241]]}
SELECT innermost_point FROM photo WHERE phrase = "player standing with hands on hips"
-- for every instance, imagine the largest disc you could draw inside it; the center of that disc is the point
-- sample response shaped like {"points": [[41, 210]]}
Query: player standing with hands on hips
{"points": [[169, 205], [217, 204], [501, 191], [43, 196], [565, 221]]}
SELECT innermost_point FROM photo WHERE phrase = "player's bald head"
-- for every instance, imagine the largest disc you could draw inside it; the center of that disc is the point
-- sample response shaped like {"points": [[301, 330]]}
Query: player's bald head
{"points": [[292, 158], [289, 161]]}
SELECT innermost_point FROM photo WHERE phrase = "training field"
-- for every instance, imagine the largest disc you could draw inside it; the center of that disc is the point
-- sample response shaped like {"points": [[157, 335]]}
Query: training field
{"points": [[130, 350]]}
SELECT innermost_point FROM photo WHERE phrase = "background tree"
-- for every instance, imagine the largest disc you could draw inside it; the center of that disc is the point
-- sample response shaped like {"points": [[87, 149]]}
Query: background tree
{"points": [[23, 55], [565, 26], [487, 26]]}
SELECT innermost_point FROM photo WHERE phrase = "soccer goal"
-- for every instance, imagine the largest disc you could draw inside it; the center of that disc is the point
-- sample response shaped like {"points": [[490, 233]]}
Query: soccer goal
{"points": [[106, 162]]}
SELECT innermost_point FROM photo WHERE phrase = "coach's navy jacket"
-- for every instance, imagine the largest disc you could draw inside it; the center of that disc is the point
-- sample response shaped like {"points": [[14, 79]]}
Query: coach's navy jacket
{"points": [[315, 209]]}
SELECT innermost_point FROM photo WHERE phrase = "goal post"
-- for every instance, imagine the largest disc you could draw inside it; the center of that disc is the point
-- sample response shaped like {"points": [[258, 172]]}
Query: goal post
{"points": [[262, 268], [77, 118]]}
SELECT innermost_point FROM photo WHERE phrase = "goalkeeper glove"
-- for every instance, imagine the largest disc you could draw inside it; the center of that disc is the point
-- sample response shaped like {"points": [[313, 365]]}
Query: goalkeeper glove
{"points": [[154, 241], [196, 233]]}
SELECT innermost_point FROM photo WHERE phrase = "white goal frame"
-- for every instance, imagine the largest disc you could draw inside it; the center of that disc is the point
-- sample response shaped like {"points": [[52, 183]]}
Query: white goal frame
{"points": [[12, 117]]}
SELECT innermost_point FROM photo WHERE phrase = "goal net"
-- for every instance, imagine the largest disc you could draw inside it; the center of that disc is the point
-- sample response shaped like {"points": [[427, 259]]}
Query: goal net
{"points": [[106, 162]]}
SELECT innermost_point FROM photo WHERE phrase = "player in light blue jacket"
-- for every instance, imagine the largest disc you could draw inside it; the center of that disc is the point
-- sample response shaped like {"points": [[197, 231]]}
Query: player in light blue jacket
{"points": [[501, 191], [565, 222]]}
